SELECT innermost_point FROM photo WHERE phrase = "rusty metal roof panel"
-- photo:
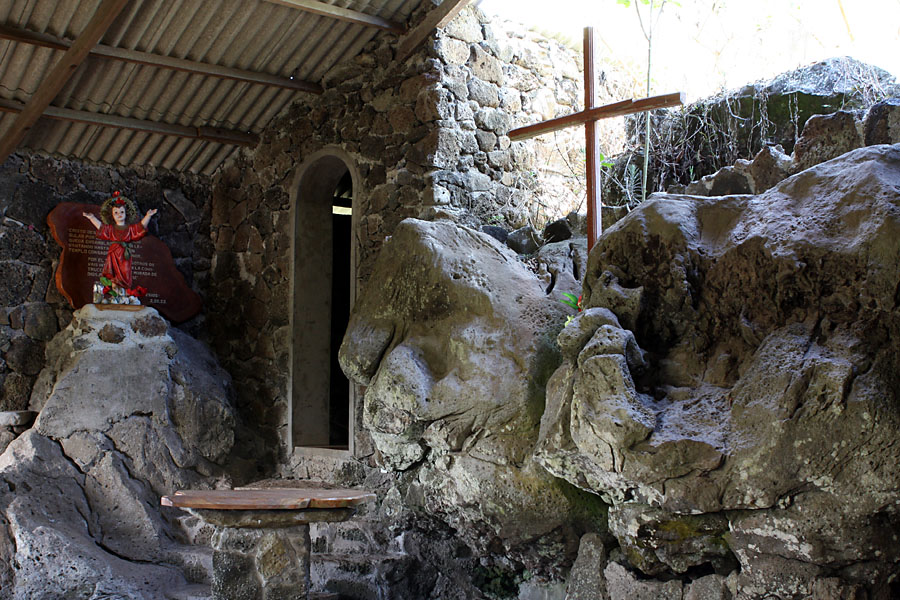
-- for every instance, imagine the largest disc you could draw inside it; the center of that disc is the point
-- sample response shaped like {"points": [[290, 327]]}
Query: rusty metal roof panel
{"points": [[253, 35]]}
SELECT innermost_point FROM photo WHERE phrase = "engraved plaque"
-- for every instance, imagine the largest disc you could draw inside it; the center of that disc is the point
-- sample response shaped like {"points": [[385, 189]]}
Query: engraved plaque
{"points": [[83, 256]]}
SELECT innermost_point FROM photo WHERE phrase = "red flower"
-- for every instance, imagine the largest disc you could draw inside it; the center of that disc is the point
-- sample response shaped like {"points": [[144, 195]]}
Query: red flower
{"points": [[119, 202], [580, 304], [106, 289], [138, 292]]}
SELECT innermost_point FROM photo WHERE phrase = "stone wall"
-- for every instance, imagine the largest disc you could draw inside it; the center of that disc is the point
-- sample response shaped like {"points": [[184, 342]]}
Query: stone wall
{"points": [[427, 139], [31, 308]]}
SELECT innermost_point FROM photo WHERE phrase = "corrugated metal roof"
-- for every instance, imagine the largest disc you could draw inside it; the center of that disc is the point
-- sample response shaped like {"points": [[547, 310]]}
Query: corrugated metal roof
{"points": [[253, 35]]}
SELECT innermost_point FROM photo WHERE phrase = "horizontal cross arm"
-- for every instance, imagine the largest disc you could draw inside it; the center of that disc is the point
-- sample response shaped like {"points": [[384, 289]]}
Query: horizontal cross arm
{"points": [[617, 109]]}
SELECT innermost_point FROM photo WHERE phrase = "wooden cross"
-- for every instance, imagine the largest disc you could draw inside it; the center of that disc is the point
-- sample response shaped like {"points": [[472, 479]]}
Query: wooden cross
{"points": [[589, 117]]}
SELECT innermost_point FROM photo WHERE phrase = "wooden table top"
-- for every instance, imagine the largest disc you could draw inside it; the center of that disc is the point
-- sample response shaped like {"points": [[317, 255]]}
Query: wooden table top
{"points": [[267, 499]]}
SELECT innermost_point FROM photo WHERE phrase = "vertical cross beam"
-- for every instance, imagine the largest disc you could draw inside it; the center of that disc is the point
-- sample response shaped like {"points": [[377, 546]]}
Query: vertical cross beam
{"points": [[592, 146]]}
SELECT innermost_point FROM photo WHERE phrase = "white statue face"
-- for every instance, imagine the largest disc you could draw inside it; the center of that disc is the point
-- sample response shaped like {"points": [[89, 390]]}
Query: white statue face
{"points": [[118, 214]]}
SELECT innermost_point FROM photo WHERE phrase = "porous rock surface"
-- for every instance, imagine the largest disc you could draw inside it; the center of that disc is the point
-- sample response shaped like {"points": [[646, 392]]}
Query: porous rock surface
{"points": [[129, 410], [731, 387], [454, 338]]}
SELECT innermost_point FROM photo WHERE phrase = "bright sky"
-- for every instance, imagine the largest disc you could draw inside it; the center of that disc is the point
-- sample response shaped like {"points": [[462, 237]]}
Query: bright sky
{"points": [[702, 46]]}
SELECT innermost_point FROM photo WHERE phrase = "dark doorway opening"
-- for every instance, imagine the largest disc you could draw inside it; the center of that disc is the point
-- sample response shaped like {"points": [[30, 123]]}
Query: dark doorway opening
{"points": [[339, 402], [323, 293]]}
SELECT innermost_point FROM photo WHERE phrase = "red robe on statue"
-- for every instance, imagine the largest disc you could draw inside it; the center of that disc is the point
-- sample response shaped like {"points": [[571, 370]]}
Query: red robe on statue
{"points": [[118, 263]]}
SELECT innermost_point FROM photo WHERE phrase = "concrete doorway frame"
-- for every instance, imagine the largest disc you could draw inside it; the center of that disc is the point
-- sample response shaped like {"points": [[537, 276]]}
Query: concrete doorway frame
{"points": [[311, 204]]}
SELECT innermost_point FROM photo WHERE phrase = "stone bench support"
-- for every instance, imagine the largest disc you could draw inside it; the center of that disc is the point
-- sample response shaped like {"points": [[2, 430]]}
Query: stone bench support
{"points": [[261, 545]]}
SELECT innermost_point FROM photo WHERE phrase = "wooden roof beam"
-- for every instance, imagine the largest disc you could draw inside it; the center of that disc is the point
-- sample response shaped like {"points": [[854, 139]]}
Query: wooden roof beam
{"points": [[209, 134], [436, 18], [60, 74], [165, 62], [342, 14]]}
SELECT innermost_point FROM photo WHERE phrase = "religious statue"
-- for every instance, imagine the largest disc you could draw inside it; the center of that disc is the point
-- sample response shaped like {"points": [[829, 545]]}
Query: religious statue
{"points": [[120, 227]]}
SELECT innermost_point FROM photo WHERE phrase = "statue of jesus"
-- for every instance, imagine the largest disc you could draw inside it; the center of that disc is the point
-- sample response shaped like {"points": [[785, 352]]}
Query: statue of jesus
{"points": [[119, 226]]}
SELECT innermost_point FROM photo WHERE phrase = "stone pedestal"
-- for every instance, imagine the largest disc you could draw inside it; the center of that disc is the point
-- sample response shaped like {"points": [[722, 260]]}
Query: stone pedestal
{"points": [[261, 546], [261, 564]]}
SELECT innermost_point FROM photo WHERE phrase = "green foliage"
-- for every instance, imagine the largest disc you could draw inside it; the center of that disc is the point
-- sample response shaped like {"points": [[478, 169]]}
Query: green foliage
{"points": [[605, 162], [571, 300], [109, 288]]}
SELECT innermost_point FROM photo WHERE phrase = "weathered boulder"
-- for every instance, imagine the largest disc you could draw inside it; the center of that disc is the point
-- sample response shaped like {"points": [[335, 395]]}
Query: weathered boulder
{"points": [[586, 580], [53, 540], [770, 167], [726, 181], [561, 265], [524, 240], [625, 585], [827, 136], [769, 391], [557, 231], [454, 338], [882, 123], [129, 410]]}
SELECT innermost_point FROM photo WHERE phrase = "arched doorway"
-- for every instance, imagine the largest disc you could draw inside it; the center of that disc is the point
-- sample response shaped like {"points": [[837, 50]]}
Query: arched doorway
{"points": [[324, 289]]}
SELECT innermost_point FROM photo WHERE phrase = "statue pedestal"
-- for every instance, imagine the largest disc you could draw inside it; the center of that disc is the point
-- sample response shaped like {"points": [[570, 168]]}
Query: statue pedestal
{"points": [[261, 546]]}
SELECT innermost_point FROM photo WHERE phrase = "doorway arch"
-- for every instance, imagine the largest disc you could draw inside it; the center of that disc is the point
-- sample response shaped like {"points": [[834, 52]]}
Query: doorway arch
{"points": [[323, 290]]}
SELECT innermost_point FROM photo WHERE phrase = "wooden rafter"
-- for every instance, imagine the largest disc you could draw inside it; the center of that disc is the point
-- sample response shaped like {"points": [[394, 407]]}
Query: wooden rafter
{"points": [[60, 74], [210, 134], [165, 62], [342, 14], [436, 18]]}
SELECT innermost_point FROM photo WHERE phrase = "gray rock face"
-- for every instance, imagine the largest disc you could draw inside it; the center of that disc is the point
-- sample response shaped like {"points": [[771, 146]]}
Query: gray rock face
{"points": [[827, 136], [767, 399], [586, 580], [625, 585], [524, 241], [123, 419], [453, 337], [882, 123], [769, 168]]}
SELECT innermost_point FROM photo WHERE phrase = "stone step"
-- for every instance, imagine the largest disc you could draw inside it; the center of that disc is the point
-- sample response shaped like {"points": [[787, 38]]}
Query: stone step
{"points": [[195, 591], [194, 561], [203, 592], [366, 574]]}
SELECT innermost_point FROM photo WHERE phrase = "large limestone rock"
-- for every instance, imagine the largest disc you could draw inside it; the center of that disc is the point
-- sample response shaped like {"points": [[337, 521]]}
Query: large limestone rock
{"points": [[129, 410], [735, 370], [454, 338]]}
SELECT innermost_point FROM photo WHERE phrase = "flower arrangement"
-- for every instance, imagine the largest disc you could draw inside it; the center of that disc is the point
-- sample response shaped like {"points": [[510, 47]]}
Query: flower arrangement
{"points": [[575, 302]]}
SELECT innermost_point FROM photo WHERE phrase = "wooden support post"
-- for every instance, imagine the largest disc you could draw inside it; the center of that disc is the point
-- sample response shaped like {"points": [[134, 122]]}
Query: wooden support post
{"points": [[592, 145], [589, 117], [61, 73]]}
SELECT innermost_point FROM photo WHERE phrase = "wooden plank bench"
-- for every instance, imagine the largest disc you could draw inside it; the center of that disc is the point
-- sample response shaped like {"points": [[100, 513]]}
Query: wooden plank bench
{"points": [[261, 544]]}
